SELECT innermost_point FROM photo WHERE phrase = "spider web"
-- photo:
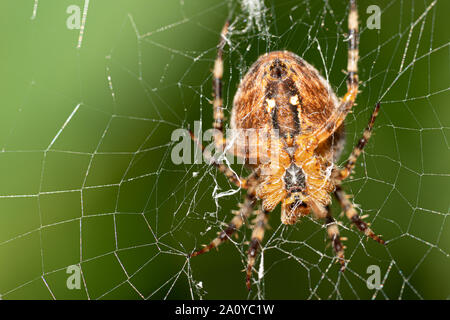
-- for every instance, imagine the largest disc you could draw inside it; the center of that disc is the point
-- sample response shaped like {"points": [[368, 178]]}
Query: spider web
{"points": [[88, 179]]}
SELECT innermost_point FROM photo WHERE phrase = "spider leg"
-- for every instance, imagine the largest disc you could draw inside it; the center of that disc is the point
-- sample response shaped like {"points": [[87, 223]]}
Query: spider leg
{"points": [[255, 243], [230, 174], [353, 53], [353, 216], [339, 114], [219, 138], [333, 234], [245, 209], [350, 164]]}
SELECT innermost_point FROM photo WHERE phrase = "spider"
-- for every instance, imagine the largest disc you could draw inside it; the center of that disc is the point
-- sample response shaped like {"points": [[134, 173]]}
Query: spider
{"points": [[283, 94]]}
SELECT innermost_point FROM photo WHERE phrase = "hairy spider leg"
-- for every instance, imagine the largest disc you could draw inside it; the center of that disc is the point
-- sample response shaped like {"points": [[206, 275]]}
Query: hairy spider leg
{"points": [[240, 216], [339, 114], [230, 174], [350, 164], [353, 216], [255, 243], [219, 137], [333, 234]]}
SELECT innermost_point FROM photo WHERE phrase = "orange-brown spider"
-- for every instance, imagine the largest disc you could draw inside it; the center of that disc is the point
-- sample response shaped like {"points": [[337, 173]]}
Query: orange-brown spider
{"points": [[285, 98]]}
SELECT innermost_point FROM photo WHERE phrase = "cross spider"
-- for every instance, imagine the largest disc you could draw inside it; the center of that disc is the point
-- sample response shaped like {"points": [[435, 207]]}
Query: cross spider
{"points": [[282, 93]]}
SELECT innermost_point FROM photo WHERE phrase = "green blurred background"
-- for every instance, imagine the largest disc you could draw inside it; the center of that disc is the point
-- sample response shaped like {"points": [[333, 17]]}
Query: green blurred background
{"points": [[105, 195]]}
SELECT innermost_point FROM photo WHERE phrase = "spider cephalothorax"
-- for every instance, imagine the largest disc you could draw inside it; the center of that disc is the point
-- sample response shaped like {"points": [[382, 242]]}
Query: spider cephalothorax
{"points": [[299, 128]]}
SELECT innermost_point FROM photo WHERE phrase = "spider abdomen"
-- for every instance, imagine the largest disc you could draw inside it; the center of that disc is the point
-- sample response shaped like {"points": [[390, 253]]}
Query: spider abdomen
{"points": [[281, 91]]}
